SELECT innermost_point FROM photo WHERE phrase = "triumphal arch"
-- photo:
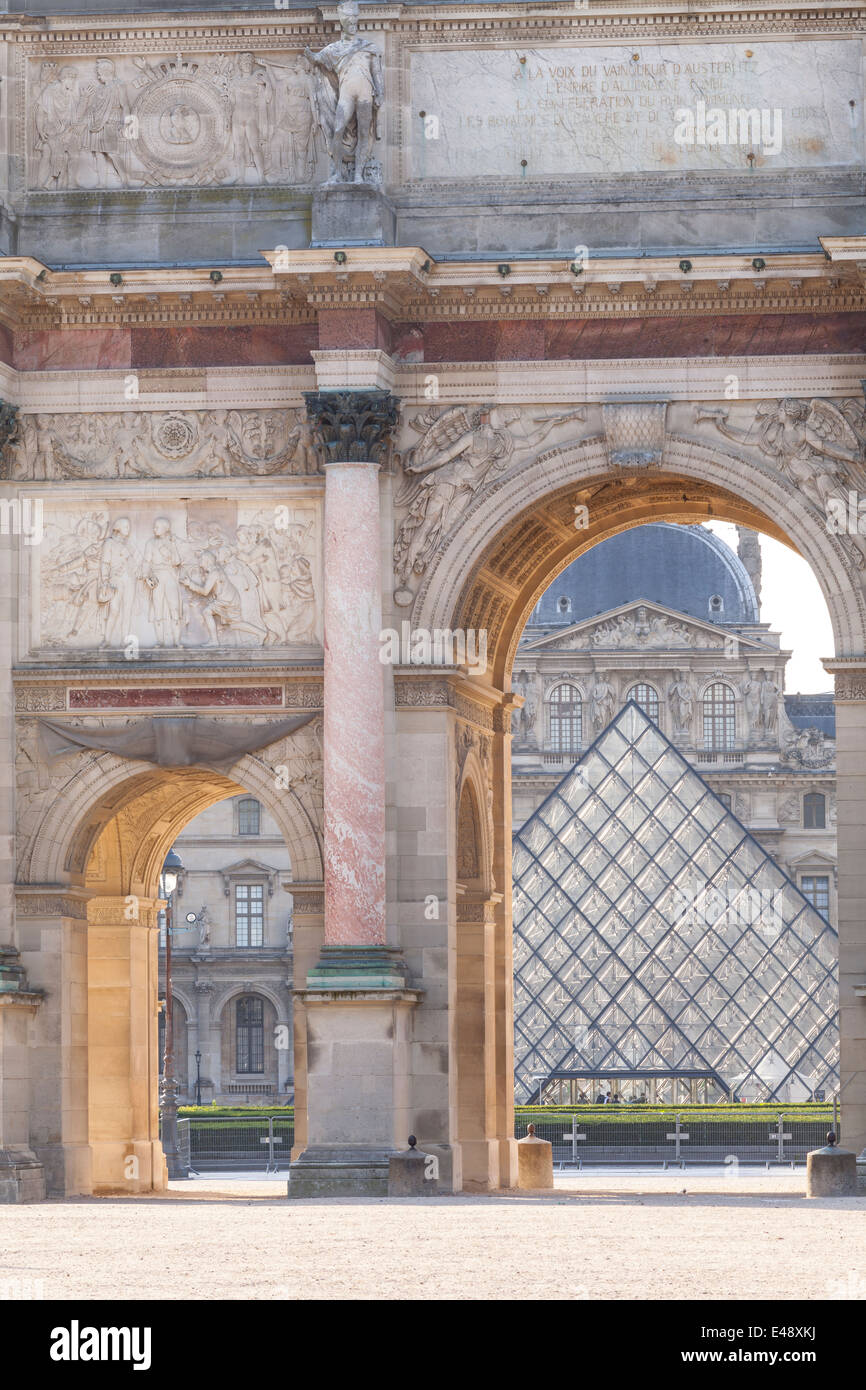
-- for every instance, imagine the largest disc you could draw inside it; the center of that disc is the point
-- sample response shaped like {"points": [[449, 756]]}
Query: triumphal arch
{"points": [[328, 338]]}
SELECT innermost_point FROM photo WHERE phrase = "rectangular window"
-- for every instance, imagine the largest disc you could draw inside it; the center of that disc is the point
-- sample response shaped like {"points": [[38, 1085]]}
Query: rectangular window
{"points": [[249, 914], [816, 887], [249, 816], [250, 1040]]}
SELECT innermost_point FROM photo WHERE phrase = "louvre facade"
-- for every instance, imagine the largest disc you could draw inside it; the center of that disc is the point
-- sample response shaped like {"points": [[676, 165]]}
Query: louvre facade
{"points": [[660, 952]]}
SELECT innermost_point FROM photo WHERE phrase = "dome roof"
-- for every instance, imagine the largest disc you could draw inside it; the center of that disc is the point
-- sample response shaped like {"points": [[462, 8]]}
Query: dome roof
{"points": [[687, 568]]}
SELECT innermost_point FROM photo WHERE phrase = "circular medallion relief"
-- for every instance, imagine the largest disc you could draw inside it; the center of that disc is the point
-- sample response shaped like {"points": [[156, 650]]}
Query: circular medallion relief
{"points": [[175, 436], [182, 126]]}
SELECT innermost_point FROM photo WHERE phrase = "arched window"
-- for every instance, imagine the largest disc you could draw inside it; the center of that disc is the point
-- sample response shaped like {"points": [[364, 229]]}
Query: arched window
{"points": [[250, 1034], [249, 816], [719, 717], [645, 696], [815, 811], [565, 707]]}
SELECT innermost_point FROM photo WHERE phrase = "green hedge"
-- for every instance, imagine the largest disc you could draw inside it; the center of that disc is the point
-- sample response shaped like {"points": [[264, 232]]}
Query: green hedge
{"points": [[820, 1113], [243, 1112]]}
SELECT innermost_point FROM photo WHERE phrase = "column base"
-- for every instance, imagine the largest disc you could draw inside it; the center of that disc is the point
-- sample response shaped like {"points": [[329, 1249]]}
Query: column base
{"points": [[22, 1176], [325, 1171], [68, 1169], [358, 967]]}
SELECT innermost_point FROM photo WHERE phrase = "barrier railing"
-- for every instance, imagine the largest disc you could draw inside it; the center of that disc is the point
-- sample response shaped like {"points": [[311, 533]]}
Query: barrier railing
{"points": [[678, 1137], [223, 1142]]}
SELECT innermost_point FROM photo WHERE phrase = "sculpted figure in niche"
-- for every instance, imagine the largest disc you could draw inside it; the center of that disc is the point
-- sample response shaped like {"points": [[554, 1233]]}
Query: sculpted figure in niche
{"points": [[769, 700], [601, 701], [751, 689], [102, 124], [162, 566], [57, 135], [349, 95], [118, 567], [682, 701], [251, 95]]}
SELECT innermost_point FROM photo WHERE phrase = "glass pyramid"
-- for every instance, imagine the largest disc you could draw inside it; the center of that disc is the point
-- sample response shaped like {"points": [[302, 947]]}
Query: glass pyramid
{"points": [[656, 943]]}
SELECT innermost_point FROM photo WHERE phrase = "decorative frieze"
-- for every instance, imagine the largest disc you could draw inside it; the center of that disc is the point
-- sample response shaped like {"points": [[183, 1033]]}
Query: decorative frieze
{"points": [[160, 444], [51, 905]]}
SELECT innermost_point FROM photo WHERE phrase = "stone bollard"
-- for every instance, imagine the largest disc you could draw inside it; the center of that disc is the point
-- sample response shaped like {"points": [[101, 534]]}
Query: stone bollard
{"points": [[534, 1163], [407, 1173], [831, 1171]]}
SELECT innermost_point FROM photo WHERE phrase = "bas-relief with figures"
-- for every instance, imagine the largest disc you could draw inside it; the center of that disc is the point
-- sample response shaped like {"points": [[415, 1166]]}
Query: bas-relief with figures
{"points": [[247, 118], [210, 573]]}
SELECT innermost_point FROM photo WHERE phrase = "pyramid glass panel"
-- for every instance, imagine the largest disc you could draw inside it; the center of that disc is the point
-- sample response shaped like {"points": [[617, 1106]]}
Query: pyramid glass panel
{"points": [[655, 937]]}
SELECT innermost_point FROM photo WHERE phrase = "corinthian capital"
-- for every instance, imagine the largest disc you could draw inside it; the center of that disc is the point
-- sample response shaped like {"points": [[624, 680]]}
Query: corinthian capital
{"points": [[352, 426]]}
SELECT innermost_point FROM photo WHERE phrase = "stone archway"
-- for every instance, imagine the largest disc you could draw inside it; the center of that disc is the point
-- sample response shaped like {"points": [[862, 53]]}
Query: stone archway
{"points": [[101, 845], [519, 534]]}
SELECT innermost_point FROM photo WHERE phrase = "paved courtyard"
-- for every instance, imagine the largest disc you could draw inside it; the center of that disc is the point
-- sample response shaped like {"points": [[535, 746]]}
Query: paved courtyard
{"points": [[599, 1236]]}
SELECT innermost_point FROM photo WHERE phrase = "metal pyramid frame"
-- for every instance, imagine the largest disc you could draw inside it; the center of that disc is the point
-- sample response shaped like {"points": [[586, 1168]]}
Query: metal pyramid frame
{"points": [[654, 937]]}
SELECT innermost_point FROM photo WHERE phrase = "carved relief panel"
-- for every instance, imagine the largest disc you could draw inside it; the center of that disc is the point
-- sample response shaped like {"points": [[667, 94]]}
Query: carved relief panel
{"points": [[150, 574], [161, 444], [131, 122]]}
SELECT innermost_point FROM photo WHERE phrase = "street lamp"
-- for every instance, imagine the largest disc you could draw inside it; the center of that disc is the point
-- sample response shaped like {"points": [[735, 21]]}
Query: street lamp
{"points": [[198, 1076], [168, 1086]]}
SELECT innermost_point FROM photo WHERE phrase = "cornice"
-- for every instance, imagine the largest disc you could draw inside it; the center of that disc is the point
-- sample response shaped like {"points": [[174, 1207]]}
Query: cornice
{"points": [[494, 21], [408, 284]]}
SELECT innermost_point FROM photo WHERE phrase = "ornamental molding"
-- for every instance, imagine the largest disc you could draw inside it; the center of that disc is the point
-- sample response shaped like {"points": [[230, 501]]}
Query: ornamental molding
{"points": [[51, 905], [850, 685], [431, 692], [407, 285], [306, 903], [128, 911], [40, 699]]}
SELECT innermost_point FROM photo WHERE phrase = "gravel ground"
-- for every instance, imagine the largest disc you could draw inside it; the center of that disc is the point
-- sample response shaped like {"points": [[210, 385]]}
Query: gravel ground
{"points": [[599, 1236]]}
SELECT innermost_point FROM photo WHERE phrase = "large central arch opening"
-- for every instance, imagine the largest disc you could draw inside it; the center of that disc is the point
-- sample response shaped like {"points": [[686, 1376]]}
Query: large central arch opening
{"points": [[530, 537]]}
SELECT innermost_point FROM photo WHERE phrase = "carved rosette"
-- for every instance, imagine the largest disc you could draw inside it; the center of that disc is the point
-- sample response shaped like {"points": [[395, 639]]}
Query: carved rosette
{"points": [[352, 426]]}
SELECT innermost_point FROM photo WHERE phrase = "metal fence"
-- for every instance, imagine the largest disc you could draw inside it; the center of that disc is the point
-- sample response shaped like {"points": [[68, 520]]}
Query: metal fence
{"points": [[224, 1142], [585, 1137], [220, 1143]]}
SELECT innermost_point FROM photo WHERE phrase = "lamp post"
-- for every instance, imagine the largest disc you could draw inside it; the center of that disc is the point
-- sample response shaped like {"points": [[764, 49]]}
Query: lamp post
{"points": [[198, 1076], [168, 1086]]}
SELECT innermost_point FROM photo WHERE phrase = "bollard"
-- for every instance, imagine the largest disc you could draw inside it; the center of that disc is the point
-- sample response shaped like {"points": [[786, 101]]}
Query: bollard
{"points": [[831, 1171], [406, 1173], [534, 1163]]}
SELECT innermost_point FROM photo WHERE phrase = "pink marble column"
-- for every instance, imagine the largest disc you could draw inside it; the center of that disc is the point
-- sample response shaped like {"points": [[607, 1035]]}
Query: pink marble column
{"points": [[354, 751]]}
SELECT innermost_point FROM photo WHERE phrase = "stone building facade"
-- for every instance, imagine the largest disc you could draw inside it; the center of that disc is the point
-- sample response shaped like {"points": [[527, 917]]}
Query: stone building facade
{"points": [[294, 351], [696, 657], [232, 958]]}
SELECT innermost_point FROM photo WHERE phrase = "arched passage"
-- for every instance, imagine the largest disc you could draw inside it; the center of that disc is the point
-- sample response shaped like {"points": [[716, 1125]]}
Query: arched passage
{"points": [[104, 841], [518, 535]]}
